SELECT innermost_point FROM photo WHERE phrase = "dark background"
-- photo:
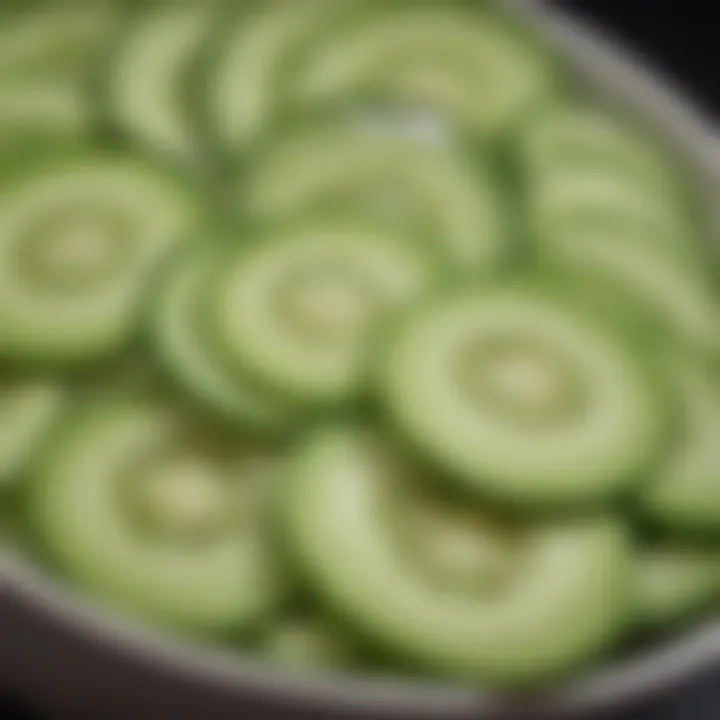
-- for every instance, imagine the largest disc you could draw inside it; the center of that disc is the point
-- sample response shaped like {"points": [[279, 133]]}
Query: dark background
{"points": [[682, 39]]}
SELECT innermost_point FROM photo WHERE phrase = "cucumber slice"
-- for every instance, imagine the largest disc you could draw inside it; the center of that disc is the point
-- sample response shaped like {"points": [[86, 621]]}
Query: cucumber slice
{"points": [[470, 65], [583, 164], [143, 510], [45, 61], [580, 137], [436, 192], [684, 496], [27, 111], [561, 595], [54, 40], [675, 583], [524, 396], [29, 408], [178, 339], [148, 75], [674, 290], [244, 79], [298, 310], [79, 236], [308, 645]]}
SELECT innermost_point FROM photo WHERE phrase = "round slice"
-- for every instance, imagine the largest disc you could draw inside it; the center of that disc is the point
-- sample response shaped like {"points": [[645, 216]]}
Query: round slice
{"points": [[29, 408], [148, 75], [79, 236], [584, 165], [543, 598], [431, 189], [298, 308], [144, 511], [522, 395], [178, 336], [470, 65], [684, 495], [673, 290], [245, 77], [675, 583]]}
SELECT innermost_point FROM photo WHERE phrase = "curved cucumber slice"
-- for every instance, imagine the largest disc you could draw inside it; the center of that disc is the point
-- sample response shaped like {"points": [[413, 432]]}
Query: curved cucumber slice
{"points": [[685, 494], [56, 40], [78, 239], [45, 60], [471, 65], [29, 407], [674, 290], [435, 192], [561, 597], [524, 396], [142, 510], [307, 644], [675, 583], [584, 164], [27, 111], [178, 337], [298, 310], [148, 74], [244, 79]]}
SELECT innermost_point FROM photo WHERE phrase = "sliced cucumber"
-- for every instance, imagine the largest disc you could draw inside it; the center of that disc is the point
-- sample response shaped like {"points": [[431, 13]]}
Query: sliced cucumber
{"points": [[675, 583], [684, 495], [178, 338], [674, 290], [29, 408], [561, 598], [245, 77], [584, 164], [45, 60], [468, 64], [524, 396], [298, 310], [143, 510], [55, 40], [79, 236], [148, 75], [580, 137], [308, 645], [29, 112], [436, 192]]}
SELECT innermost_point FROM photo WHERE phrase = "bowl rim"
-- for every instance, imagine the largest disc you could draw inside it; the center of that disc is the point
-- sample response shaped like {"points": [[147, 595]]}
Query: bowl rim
{"points": [[628, 77]]}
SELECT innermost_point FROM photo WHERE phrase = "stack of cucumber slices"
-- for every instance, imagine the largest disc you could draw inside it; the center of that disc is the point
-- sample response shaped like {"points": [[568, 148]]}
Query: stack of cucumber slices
{"points": [[354, 335]]}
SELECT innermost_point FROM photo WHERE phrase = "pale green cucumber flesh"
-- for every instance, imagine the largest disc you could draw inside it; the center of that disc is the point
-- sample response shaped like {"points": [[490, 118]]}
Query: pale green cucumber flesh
{"points": [[525, 397], [447, 202], [79, 237], [147, 79], [177, 334], [299, 310], [675, 583], [29, 408], [565, 602], [471, 67], [683, 496], [155, 521]]}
